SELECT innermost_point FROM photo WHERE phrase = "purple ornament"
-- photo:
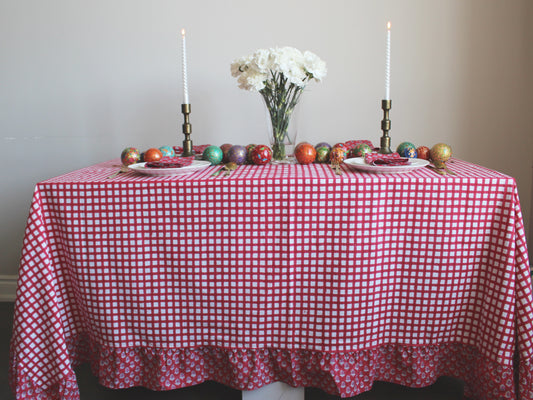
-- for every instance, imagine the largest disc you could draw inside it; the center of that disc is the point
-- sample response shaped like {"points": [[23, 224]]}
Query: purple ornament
{"points": [[323, 144], [237, 154]]}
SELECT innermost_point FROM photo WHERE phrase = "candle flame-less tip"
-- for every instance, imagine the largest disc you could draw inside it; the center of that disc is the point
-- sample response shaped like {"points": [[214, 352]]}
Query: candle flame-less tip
{"points": [[388, 25]]}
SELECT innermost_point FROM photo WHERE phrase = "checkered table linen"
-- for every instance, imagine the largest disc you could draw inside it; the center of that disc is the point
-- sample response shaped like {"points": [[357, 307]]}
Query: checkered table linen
{"points": [[275, 273]]}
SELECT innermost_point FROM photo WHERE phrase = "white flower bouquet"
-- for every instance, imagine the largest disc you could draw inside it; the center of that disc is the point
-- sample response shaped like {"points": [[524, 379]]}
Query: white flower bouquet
{"points": [[280, 76]]}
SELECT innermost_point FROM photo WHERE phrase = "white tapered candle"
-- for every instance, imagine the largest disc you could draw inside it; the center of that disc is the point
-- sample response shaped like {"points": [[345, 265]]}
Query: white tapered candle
{"points": [[184, 68], [387, 64]]}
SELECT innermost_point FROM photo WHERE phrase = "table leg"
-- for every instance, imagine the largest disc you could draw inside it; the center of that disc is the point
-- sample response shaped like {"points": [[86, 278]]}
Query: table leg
{"points": [[276, 390]]}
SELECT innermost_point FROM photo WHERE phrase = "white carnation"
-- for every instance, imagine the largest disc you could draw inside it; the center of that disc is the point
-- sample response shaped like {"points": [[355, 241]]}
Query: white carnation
{"points": [[314, 65], [235, 69], [240, 66], [276, 65], [263, 60], [257, 81]]}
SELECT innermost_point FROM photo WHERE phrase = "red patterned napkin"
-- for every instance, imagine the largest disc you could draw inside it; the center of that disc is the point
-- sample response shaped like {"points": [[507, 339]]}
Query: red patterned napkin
{"points": [[196, 149], [390, 160], [170, 162], [350, 144]]}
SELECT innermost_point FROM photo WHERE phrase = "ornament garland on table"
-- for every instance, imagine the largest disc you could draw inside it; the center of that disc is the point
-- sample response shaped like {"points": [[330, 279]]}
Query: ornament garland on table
{"points": [[280, 75], [132, 155], [232, 156]]}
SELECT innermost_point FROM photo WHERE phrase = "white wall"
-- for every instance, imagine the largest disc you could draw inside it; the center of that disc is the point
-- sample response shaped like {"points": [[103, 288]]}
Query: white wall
{"points": [[81, 80]]}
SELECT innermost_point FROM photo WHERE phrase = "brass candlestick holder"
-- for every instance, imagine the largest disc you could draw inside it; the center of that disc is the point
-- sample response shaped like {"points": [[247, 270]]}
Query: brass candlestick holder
{"points": [[187, 129], [385, 127]]}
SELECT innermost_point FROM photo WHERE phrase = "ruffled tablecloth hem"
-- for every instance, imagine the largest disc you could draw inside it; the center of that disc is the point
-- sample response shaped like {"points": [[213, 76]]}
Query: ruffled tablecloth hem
{"points": [[23, 387], [525, 379], [344, 374]]}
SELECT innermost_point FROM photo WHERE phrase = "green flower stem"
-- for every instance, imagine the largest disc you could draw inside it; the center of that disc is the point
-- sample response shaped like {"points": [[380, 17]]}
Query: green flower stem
{"points": [[281, 97]]}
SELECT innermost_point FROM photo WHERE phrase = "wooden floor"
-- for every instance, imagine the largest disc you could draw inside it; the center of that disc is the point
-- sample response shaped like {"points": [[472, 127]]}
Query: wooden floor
{"points": [[444, 389]]}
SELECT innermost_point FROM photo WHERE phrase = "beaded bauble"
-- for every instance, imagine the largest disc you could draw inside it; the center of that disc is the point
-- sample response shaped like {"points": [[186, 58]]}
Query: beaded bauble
{"points": [[440, 152], [130, 155]]}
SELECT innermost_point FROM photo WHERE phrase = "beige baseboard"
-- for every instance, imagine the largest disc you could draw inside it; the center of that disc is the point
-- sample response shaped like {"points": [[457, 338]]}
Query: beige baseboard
{"points": [[8, 287]]}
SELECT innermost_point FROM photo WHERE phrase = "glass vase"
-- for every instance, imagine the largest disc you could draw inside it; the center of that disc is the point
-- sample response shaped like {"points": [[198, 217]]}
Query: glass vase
{"points": [[282, 128]]}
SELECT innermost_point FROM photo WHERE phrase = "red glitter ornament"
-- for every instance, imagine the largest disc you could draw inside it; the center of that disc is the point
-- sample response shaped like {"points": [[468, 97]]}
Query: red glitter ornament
{"points": [[305, 153], [153, 154], [225, 148], [261, 154], [423, 152]]}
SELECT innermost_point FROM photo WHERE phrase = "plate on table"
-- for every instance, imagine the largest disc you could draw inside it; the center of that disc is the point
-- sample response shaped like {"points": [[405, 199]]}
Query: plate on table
{"points": [[196, 165], [360, 164]]}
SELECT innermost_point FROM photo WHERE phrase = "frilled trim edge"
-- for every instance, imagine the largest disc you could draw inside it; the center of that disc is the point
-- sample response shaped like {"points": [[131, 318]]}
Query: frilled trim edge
{"points": [[344, 374]]}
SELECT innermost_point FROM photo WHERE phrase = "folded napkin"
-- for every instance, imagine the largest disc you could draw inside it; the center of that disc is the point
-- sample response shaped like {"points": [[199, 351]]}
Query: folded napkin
{"points": [[390, 160], [170, 162], [350, 144], [196, 149]]}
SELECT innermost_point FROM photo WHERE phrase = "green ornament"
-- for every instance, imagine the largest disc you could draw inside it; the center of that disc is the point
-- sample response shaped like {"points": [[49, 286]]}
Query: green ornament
{"points": [[360, 150], [213, 154], [404, 145], [322, 154]]}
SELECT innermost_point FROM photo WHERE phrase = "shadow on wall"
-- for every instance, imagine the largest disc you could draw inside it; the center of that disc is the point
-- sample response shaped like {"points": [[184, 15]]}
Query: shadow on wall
{"points": [[494, 112], [530, 235]]}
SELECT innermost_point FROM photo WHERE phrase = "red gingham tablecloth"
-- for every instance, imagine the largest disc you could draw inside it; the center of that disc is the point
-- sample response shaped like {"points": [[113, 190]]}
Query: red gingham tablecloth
{"points": [[275, 273]]}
